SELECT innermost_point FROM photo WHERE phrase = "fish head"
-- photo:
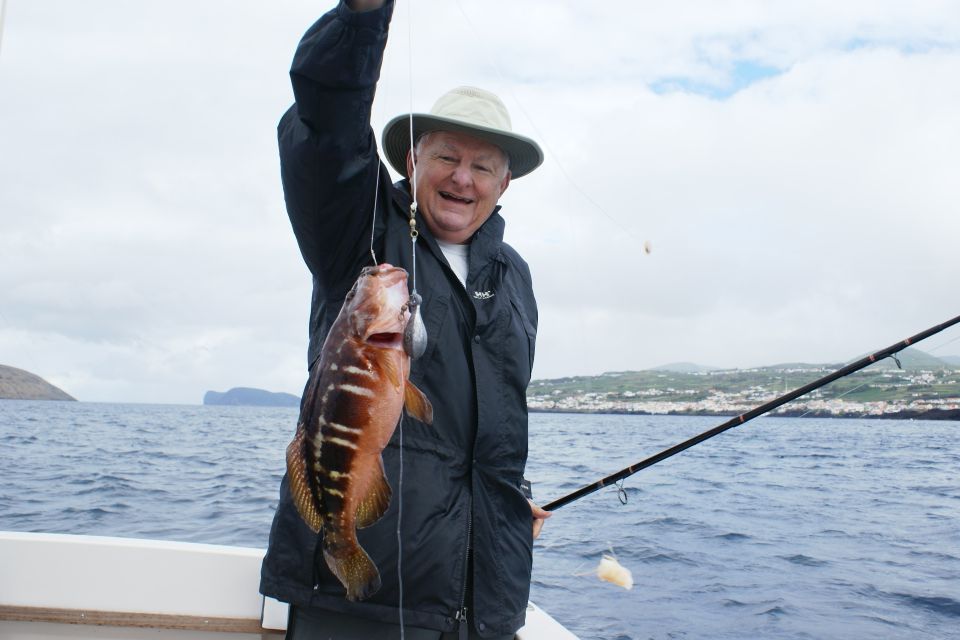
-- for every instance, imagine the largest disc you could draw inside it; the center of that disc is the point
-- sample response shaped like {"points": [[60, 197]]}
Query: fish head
{"points": [[378, 306]]}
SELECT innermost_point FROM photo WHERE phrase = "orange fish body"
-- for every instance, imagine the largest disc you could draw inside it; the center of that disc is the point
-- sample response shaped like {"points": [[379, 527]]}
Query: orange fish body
{"points": [[357, 391]]}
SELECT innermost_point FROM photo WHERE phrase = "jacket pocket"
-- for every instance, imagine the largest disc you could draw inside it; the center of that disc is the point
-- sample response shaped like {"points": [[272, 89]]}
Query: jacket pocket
{"points": [[530, 333]]}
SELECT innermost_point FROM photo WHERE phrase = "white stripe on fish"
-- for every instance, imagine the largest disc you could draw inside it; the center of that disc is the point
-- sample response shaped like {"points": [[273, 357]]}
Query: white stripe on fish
{"points": [[341, 442], [361, 372], [357, 391], [342, 428]]}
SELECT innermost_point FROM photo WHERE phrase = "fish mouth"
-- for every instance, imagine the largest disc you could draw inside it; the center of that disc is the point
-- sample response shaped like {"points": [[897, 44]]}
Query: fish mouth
{"points": [[386, 340], [446, 195]]}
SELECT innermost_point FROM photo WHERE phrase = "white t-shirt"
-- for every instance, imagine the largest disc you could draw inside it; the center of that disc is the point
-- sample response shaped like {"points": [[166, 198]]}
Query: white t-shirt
{"points": [[457, 256]]}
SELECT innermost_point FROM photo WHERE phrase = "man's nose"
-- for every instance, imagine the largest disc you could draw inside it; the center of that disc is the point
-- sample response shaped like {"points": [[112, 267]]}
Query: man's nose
{"points": [[462, 174]]}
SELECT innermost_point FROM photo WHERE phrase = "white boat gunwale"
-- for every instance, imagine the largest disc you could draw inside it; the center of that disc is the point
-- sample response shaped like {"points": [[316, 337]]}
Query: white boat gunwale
{"points": [[65, 579]]}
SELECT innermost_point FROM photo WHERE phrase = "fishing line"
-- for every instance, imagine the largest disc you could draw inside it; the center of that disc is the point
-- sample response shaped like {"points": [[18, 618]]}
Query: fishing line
{"points": [[413, 297], [415, 333], [373, 223], [556, 158], [399, 519], [413, 156], [940, 346], [930, 351], [845, 393]]}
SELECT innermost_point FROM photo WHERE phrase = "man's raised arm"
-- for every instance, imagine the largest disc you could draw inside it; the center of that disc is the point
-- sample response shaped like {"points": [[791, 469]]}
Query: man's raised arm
{"points": [[328, 151]]}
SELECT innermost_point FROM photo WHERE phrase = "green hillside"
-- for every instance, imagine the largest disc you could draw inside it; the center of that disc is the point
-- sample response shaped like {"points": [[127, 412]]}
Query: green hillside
{"points": [[923, 382]]}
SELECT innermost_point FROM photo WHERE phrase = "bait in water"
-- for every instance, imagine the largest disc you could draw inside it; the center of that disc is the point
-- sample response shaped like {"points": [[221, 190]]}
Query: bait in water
{"points": [[357, 391], [612, 571]]}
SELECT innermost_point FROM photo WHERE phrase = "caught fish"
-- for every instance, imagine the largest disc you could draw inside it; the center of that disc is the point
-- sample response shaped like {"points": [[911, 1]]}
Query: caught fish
{"points": [[353, 402]]}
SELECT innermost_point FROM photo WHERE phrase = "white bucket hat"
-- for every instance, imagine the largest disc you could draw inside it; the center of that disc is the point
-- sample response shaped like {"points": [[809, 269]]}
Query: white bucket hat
{"points": [[468, 110]]}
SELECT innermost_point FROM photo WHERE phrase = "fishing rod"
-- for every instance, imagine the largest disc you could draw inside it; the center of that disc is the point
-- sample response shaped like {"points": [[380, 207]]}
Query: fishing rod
{"points": [[750, 415]]}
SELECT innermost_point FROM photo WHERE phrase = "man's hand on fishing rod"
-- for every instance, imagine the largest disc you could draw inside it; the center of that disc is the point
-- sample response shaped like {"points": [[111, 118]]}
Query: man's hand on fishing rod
{"points": [[365, 5], [539, 515]]}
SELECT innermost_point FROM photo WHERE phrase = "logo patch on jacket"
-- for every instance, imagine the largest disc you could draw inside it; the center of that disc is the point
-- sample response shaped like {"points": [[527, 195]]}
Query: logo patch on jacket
{"points": [[482, 295]]}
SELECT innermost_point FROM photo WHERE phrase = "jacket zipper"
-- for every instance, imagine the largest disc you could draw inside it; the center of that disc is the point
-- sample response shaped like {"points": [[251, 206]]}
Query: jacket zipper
{"points": [[461, 614], [463, 628]]}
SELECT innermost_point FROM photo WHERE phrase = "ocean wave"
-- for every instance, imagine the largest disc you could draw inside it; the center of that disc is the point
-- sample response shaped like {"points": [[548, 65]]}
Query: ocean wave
{"points": [[804, 560], [938, 556], [667, 558], [732, 537], [937, 604]]}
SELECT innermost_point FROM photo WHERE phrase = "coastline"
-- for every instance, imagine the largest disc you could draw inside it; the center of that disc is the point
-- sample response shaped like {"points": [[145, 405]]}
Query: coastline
{"points": [[929, 414]]}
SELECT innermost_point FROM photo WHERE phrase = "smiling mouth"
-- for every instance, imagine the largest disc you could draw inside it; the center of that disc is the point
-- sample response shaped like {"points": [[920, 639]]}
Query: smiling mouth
{"points": [[446, 195]]}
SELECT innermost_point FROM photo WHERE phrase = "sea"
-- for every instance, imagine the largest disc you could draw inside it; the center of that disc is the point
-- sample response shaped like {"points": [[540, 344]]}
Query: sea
{"points": [[793, 528]]}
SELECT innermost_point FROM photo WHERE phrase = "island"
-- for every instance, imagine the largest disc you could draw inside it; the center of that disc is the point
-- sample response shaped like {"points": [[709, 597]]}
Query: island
{"points": [[250, 397], [17, 384]]}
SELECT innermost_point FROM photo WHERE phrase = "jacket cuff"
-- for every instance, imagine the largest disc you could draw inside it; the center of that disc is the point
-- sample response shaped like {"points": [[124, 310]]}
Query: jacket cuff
{"points": [[526, 488], [378, 18]]}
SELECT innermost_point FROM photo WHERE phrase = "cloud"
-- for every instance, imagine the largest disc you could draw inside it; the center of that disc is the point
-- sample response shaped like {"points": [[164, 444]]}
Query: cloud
{"points": [[792, 165]]}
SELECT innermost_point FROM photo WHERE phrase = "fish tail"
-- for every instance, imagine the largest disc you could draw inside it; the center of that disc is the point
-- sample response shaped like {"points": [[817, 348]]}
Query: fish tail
{"points": [[351, 564]]}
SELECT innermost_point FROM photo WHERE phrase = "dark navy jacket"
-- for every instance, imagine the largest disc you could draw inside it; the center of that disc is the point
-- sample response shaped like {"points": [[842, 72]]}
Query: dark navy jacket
{"points": [[462, 475]]}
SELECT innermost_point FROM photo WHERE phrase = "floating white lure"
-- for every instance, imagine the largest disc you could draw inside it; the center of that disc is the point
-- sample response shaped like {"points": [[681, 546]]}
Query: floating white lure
{"points": [[612, 571]]}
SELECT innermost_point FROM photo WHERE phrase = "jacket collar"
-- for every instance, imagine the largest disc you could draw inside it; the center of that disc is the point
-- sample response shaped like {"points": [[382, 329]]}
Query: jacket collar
{"points": [[484, 245]]}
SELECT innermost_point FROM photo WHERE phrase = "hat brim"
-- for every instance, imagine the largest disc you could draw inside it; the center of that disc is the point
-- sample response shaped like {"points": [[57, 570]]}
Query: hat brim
{"points": [[525, 154]]}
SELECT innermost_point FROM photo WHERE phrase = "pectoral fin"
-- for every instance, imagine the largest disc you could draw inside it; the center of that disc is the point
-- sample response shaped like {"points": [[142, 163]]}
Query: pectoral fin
{"points": [[391, 369], [372, 507], [417, 404]]}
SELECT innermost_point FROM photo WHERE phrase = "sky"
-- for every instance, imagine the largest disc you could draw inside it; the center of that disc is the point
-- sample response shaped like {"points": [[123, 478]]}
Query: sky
{"points": [[794, 167]]}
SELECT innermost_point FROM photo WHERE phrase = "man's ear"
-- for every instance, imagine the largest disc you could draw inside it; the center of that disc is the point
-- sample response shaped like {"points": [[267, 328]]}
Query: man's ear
{"points": [[410, 164], [505, 183]]}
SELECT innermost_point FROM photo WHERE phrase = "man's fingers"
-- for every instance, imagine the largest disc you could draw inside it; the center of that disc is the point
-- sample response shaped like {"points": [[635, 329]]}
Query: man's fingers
{"points": [[539, 515], [538, 512], [537, 526]]}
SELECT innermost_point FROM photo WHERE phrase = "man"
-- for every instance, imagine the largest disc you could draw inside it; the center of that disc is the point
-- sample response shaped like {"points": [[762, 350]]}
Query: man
{"points": [[467, 526]]}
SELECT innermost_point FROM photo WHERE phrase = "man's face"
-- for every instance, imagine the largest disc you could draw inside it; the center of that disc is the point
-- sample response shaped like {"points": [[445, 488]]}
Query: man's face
{"points": [[460, 178]]}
